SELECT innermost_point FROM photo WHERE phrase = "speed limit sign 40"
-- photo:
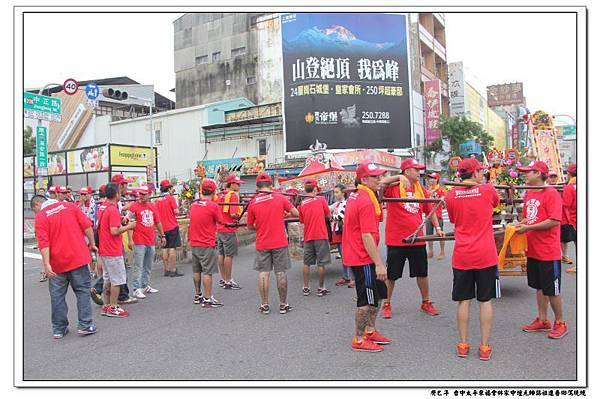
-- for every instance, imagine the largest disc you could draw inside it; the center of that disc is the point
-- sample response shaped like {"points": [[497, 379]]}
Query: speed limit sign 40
{"points": [[70, 86]]}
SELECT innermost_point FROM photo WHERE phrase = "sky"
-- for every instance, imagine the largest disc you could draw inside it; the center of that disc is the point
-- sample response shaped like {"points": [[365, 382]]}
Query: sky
{"points": [[536, 49]]}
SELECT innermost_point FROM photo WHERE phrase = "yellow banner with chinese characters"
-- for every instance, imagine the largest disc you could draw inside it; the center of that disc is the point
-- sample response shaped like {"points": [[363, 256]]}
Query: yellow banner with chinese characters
{"points": [[121, 155]]}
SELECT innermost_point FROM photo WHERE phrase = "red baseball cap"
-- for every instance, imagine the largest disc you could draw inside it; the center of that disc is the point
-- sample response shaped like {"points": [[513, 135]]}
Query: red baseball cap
{"points": [[264, 177], [368, 169], [234, 179], [292, 190], [537, 165], [52, 189], [209, 185], [311, 181], [61, 189], [102, 188], [552, 173], [572, 168], [434, 175], [166, 183], [411, 163], [143, 189], [469, 165], [84, 190], [119, 179]]}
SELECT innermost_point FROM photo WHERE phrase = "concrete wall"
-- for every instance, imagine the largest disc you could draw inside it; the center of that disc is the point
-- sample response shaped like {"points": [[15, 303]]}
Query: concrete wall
{"points": [[181, 137], [229, 76]]}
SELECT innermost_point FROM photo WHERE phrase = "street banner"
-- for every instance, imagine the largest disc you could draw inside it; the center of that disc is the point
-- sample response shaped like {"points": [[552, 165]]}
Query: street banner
{"points": [[349, 158], [93, 159], [433, 110], [121, 155], [346, 80]]}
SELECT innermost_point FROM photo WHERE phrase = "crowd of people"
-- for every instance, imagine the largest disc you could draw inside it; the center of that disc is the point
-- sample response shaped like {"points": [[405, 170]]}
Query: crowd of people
{"points": [[72, 235]]}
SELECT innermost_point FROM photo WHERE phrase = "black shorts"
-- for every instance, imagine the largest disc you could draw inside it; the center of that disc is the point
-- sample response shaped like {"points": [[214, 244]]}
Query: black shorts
{"points": [[397, 256], [486, 282], [369, 290], [173, 238], [568, 233], [544, 275]]}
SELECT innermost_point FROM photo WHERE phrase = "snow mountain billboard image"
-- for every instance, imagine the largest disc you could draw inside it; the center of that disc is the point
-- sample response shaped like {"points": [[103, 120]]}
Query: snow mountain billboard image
{"points": [[346, 80]]}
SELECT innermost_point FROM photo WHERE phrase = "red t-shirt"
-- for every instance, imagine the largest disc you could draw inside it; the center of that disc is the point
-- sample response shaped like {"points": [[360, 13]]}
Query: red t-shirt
{"points": [[471, 210], [403, 218], [312, 213], [440, 193], [265, 212], [59, 227], [109, 216], [228, 216], [539, 206], [205, 215], [569, 205], [147, 217], [166, 206], [360, 217]]}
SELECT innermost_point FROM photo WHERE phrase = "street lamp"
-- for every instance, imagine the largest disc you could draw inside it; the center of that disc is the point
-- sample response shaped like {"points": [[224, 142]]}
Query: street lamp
{"points": [[149, 102]]}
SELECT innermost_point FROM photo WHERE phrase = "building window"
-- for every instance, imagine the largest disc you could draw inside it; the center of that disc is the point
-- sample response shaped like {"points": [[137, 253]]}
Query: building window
{"points": [[250, 80], [216, 56], [203, 59], [238, 51], [262, 147]]}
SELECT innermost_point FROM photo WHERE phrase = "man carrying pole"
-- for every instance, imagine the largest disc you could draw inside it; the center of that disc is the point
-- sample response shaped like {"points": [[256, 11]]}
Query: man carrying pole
{"points": [[227, 243], [403, 220], [475, 260], [542, 213]]}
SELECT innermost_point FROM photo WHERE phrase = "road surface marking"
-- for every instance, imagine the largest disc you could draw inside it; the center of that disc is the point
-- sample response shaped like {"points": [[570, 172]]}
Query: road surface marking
{"points": [[34, 256]]}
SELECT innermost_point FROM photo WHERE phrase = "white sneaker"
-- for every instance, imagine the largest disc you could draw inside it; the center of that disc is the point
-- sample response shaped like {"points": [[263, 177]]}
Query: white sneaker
{"points": [[139, 294], [151, 290]]}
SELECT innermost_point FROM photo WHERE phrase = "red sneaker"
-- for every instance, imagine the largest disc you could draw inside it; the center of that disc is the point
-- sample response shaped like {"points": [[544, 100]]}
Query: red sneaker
{"points": [[485, 352], [104, 310], [117, 311], [462, 349], [387, 310], [376, 337], [365, 346], [537, 325], [428, 308], [559, 330], [342, 281]]}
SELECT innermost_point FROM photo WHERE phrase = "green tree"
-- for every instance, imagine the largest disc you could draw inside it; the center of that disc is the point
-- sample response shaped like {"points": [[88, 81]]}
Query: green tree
{"points": [[457, 130], [28, 141]]}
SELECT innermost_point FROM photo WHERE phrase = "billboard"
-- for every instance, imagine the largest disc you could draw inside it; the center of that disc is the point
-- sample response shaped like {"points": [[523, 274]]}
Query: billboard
{"points": [[505, 94], [433, 110], [93, 159], [456, 88], [346, 80], [121, 155], [244, 166]]}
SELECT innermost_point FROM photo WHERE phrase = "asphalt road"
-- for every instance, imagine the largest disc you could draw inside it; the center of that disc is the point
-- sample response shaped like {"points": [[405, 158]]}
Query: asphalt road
{"points": [[168, 337]]}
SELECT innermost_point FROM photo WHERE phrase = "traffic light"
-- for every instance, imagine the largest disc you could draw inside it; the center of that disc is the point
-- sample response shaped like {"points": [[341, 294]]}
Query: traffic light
{"points": [[115, 94]]}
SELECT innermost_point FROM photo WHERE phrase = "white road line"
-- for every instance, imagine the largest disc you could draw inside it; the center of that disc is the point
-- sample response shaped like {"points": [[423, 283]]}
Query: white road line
{"points": [[30, 255]]}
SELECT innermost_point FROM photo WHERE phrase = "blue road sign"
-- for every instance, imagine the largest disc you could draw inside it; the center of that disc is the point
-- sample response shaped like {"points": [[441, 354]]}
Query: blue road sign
{"points": [[92, 91]]}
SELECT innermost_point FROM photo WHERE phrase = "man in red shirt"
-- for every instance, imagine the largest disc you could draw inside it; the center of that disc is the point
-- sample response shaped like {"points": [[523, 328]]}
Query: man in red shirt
{"points": [[142, 242], [266, 215], [475, 258], [360, 238], [205, 216], [403, 219], [110, 230], [61, 193], [167, 208], [312, 213], [435, 191], [61, 229], [542, 214], [227, 243], [568, 228]]}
